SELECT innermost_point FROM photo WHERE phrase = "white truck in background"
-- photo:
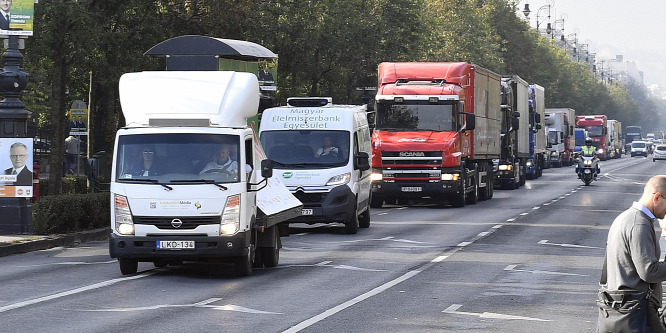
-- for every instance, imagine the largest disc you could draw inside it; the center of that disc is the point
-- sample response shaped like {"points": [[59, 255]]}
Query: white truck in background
{"points": [[189, 178]]}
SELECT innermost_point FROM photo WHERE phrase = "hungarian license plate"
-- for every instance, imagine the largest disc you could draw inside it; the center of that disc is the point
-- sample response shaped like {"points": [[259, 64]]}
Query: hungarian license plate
{"points": [[412, 189], [307, 211], [175, 245]]}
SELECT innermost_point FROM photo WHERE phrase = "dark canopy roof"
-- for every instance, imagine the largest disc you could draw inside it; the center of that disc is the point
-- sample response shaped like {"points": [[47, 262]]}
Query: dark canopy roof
{"points": [[202, 45]]}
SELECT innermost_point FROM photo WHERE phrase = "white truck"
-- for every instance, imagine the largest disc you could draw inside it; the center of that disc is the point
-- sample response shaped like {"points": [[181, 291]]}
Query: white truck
{"points": [[614, 137], [555, 129], [189, 178]]}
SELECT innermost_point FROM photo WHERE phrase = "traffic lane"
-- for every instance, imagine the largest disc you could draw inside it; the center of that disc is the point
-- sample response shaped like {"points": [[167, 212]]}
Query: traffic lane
{"points": [[508, 280]]}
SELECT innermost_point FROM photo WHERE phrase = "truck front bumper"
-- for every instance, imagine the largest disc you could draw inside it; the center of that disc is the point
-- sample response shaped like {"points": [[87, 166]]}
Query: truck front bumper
{"points": [[415, 189], [205, 247]]}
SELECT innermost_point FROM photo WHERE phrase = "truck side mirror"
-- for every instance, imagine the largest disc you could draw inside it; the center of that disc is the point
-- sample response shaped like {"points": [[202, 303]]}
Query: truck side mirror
{"points": [[538, 127], [267, 168], [362, 161], [516, 114], [515, 124], [537, 118], [470, 121]]}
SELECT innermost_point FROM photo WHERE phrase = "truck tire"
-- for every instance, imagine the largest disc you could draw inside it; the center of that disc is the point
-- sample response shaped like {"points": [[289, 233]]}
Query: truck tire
{"points": [[271, 255], [128, 266], [351, 225], [376, 202], [243, 265]]}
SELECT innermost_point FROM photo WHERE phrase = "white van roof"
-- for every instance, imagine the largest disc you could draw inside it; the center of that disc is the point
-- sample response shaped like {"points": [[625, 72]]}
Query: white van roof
{"points": [[189, 98]]}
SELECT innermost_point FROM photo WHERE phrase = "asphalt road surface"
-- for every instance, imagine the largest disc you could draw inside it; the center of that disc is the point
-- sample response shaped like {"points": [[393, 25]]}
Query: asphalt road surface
{"points": [[528, 260]]}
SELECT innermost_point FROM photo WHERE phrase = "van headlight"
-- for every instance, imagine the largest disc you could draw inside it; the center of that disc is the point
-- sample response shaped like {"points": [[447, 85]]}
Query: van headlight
{"points": [[231, 216], [339, 179], [123, 215]]}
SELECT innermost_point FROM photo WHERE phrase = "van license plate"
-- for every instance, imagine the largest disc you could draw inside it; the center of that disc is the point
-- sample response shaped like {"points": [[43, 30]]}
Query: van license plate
{"points": [[412, 189], [175, 245], [307, 211]]}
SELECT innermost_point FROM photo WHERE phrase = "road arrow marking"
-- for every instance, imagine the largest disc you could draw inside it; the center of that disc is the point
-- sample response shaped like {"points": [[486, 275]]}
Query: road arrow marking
{"points": [[202, 304], [513, 268], [545, 242], [453, 309]]}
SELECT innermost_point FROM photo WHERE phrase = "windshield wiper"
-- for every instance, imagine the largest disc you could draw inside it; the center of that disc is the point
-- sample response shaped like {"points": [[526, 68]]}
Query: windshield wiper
{"points": [[154, 181], [205, 181]]}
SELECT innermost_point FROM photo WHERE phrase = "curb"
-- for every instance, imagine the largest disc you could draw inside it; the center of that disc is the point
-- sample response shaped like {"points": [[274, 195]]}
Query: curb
{"points": [[54, 241]]}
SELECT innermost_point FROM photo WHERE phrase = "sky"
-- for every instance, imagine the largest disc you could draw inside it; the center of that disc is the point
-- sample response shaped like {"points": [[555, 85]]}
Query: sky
{"points": [[635, 29]]}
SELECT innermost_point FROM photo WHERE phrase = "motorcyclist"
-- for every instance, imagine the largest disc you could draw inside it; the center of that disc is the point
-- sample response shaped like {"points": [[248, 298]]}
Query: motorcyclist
{"points": [[588, 150]]}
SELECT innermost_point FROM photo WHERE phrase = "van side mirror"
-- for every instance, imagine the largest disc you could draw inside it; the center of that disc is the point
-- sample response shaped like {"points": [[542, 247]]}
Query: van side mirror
{"points": [[267, 168], [362, 161]]}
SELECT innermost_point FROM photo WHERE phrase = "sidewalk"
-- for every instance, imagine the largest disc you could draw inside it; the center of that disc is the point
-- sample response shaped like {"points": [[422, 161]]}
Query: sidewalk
{"points": [[14, 244]]}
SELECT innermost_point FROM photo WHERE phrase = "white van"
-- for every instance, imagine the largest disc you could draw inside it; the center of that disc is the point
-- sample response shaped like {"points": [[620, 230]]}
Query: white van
{"points": [[321, 152]]}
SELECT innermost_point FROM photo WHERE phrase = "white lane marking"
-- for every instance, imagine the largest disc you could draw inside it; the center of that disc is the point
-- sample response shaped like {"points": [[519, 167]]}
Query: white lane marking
{"points": [[74, 291], [323, 263], [326, 264], [535, 208], [464, 244], [497, 226], [382, 214], [71, 263], [523, 214], [483, 234], [202, 304], [453, 310], [439, 259], [309, 322], [545, 242], [546, 204], [513, 268], [511, 219]]}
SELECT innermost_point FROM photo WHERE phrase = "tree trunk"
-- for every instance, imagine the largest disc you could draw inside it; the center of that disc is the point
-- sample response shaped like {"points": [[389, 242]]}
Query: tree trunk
{"points": [[59, 122]]}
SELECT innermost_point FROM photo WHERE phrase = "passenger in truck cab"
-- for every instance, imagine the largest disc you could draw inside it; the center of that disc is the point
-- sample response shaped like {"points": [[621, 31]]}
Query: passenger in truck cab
{"points": [[147, 166]]}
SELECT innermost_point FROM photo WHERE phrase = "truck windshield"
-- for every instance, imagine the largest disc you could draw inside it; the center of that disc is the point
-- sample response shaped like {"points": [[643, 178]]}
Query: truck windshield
{"points": [[595, 131], [178, 158], [415, 117], [306, 148]]}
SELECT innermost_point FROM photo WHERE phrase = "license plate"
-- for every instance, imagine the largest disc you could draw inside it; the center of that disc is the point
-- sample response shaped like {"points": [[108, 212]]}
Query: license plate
{"points": [[175, 245], [412, 189], [587, 171], [307, 211]]}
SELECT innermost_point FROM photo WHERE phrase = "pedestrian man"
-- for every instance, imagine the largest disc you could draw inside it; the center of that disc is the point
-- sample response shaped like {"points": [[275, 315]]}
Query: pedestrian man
{"points": [[632, 250]]}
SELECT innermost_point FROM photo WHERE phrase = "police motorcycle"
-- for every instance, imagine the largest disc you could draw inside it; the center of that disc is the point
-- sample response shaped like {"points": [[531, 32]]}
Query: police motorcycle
{"points": [[588, 164]]}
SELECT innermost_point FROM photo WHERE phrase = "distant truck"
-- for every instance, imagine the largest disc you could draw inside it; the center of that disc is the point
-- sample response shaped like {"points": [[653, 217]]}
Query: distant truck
{"points": [[538, 159], [597, 129], [437, 132], [565, 125], [555, 128], [632, 133], [189, 178], [580, 134], [510, 171], [616, 145]]}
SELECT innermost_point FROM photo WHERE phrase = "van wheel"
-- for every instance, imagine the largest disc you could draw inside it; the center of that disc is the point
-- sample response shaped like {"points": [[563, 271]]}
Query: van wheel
{"points": [[376, 202], [364, 219], [351, 225], [160, 263], [128, 266], [243, 265], [271, 255]]}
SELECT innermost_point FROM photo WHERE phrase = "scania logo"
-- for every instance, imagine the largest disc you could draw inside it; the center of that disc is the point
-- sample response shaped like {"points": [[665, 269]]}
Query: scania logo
{"points": [[412, 140], [287, 175], [412, 154], [176, 223]]}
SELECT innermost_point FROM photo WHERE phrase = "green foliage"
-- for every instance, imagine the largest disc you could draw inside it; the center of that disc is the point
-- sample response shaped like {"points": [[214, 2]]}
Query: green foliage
{"points": [[65, 213], [70, 185]]}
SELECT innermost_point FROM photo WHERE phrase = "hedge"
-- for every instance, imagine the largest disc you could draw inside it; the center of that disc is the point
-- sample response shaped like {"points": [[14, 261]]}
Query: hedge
{"points": [[65, 213], [72, 185]]}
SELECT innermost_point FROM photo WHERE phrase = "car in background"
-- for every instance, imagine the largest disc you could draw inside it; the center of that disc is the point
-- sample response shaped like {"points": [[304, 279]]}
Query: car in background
{"points": [[659, 153], [639, 148]]}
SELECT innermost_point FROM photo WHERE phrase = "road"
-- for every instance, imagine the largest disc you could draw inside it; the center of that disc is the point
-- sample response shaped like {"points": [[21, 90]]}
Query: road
{"points": [[527, 260]]}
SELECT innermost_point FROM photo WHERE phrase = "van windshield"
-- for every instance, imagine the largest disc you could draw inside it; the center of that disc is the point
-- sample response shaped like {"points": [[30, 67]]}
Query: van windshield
{"points": [[178, 158], [306, 148], [638, 144]]}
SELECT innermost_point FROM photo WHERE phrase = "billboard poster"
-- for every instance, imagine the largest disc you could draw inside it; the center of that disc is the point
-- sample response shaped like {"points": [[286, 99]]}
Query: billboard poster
{"points": [[16, 158], [78, 120], [267, 74], [17, 17]]}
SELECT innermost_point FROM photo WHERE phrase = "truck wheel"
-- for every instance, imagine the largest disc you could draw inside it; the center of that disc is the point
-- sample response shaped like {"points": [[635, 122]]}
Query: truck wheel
{"points": [[364, 219], [351, 225], [271, 255], [243, 265], [376, 202], [128, 266]]}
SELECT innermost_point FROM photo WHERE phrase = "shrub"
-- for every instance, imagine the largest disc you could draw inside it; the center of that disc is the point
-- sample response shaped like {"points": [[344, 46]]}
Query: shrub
{"points": [[65, 213], [70, 185]]}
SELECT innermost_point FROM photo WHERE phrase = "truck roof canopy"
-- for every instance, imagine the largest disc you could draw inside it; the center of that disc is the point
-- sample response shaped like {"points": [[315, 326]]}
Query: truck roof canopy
{"points": [[188, 98]]}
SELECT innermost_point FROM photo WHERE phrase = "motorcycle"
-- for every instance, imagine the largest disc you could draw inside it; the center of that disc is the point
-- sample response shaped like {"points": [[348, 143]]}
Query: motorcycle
{"points": [[587, 169]]}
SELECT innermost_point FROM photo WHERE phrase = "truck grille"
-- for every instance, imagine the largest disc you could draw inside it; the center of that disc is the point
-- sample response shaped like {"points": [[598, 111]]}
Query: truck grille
{"points": [[188, 223], [425, 158]]}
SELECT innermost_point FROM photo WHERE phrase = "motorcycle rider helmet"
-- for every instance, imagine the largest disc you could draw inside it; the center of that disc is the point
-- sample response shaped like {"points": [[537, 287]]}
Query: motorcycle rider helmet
{"points": [[588, 141]]}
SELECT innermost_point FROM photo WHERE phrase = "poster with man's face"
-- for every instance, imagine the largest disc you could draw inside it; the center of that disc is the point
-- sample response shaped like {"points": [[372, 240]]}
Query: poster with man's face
{"points": [[17, 17], [16, 167]]}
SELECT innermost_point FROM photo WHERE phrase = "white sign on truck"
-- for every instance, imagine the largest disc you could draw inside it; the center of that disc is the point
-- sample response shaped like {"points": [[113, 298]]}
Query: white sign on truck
{"points": [[188, 182]]}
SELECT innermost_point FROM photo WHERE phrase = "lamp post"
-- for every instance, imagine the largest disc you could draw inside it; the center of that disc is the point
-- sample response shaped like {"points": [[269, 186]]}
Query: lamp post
{"points": [[563, 17]]}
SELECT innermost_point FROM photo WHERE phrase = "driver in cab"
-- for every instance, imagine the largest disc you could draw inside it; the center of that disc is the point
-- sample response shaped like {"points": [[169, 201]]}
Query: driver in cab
{"points": [[221, 163]]}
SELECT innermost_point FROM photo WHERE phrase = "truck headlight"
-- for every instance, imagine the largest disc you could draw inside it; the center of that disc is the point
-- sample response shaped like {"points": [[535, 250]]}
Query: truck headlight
{"points": [[376, 176], [505, 167], [450, 176], [231, 216], [123, 215], [529, 163], [601, 151], [553, 153], [339, 179]]}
